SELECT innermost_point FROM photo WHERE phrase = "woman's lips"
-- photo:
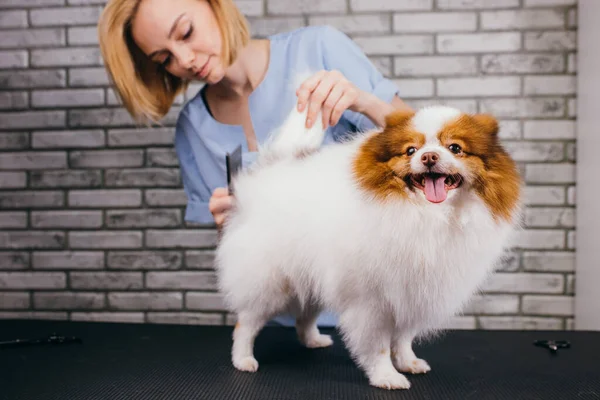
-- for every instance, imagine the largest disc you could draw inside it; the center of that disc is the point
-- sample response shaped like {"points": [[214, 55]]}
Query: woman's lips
{"points": [[204, 70]]}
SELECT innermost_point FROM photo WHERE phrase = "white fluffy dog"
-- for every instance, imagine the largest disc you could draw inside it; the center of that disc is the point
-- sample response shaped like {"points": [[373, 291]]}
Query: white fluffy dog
{"points": [[393, 230]]}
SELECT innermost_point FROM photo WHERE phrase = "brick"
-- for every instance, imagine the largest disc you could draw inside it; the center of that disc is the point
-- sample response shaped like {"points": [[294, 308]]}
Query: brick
{"points": [[522, 19], [144, 260], [105, 198], [200, 259], [31, 199], [13, 19], [535, 151], [13, 59], [72, 56], [106, 158], [571, 240], [265, 26], [67, 139], [552, 40], [522, 63], [550, 217], [419, 88], [111, 117], [13, 180], [106, 280], [549, 305], [547, 107], [39, 78], [389, 44], [13, 100], [493, 304], [32, 119], [549, 261], [32, 38], [204, 301], [435, 66], [66, 219], [508, 262], [435, 22], [484, 86], [550, 173], [572, 19], [185, 318], [570, 288], [549, 3], [67, 98], [520, 323], [549, 129], [95, 76], [14, 140], [34, 315], [14, 260], [30, 3], [33, 160], [65, 179], [162, 158], [250, 8], [165, 197], [355, 24], [32, 240], [14, 300], [146, 301], [571, 195], [131, 317], [13, 219], [68, 260], [59, 16], [476, 4], [278, 7], [158, 218], [181, 238], [541, 239], [507, 282], [32, 280], [572, 63], [460, 322], [68, 301], [385, 5], [572, 108], [479, 42], [143, 177], [509, 129], [181, 280], [544, 195], [141, 137], [82, 35], [547, 85], [105, 240]]}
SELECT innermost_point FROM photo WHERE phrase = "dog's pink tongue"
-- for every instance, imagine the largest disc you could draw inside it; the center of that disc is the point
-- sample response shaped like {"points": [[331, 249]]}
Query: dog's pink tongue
{"points": [[435, 189]]}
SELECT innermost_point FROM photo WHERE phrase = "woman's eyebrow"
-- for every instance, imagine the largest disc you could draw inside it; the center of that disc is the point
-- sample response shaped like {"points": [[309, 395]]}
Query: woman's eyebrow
{"points": [[151, 55]]}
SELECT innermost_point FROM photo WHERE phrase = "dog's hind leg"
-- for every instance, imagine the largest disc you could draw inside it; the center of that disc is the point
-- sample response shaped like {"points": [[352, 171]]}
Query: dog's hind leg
{"points": [[308, 332], [403, 356], [246, 329]]}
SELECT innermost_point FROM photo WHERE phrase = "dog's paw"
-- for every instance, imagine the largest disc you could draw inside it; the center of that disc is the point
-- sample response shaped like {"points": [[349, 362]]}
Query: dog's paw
{"points": [[415, 366], [318, 341], [390, 381], [246, 364]]}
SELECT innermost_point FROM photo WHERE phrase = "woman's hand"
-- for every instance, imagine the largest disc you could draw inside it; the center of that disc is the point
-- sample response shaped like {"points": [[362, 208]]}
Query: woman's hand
{"points": [[220, 202], [330, 92]]}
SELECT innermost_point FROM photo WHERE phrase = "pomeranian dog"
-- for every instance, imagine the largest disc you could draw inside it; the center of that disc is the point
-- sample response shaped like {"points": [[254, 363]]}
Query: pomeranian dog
{"points": [[393, 230]]}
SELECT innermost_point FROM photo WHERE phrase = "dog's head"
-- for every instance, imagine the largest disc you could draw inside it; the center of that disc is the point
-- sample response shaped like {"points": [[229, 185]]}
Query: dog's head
{"points": [[435, 153]]}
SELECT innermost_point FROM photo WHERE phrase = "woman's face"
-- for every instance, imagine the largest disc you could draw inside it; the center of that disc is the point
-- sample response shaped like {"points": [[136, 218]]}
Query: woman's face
{"points": [[182, 35]]}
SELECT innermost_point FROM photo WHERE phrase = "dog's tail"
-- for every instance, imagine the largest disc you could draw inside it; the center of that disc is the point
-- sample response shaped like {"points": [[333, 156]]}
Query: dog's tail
{"points": [[292, 139]]}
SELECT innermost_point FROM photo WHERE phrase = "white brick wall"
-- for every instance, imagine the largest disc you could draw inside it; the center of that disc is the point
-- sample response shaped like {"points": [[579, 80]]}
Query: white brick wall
{"points": [[91, 220]]}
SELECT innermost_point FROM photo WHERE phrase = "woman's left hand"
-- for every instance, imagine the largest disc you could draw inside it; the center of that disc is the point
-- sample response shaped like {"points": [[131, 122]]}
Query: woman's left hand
{"points": [[330, 92]]}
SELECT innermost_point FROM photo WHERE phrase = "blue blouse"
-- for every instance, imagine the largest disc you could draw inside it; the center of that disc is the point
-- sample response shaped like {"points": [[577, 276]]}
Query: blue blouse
{"points": [[201, 142]]}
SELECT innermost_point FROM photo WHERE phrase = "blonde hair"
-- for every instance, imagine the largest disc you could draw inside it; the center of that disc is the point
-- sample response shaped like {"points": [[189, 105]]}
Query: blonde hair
{"points": [[144, 87]]}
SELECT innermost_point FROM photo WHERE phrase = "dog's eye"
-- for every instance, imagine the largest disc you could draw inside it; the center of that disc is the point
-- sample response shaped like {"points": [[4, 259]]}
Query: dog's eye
{"points": [[410, 151], [455, 148]]}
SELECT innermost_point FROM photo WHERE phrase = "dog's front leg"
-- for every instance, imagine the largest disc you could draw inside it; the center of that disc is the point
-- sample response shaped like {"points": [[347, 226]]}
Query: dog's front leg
{"points": [[368, 336], [403, 356]]}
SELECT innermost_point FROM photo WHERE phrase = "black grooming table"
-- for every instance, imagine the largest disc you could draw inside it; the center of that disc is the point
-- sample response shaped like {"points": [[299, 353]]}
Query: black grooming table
{"points": [[135, 361]]}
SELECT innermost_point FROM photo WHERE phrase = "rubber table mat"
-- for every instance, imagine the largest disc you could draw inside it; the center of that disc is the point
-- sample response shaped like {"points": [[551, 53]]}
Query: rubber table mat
{"points": [[147, 361]]}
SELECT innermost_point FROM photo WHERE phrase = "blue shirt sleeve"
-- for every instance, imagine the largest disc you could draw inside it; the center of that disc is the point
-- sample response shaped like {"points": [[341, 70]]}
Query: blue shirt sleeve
{"points": [[341, 53], [195, 187]]}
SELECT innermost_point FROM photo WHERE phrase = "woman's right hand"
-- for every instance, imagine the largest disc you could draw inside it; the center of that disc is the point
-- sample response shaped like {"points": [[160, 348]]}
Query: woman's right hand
{"points": [[220, 202]]}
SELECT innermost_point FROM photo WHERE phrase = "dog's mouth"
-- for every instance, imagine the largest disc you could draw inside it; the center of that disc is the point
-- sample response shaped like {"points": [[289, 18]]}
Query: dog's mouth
{"points": [[436, 186]]}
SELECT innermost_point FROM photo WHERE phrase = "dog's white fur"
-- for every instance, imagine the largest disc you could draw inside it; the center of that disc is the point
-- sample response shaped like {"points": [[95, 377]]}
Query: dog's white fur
{"points": [[303, 237]]}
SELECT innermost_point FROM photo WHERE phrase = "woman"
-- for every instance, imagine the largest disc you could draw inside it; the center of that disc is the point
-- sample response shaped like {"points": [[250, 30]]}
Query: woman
{"points": [[153, 48]]}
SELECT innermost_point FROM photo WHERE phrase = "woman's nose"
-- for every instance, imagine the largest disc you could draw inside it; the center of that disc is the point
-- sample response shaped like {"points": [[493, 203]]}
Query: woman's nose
{"points": [[185, 57]]}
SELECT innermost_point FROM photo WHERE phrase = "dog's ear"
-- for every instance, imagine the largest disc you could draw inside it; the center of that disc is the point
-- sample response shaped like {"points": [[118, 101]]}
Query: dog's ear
{"points": [[488, 123], [398, 118]]}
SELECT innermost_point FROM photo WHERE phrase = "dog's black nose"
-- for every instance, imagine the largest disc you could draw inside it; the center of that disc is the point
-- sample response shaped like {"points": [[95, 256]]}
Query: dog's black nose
{"points": [[430, 158]]}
